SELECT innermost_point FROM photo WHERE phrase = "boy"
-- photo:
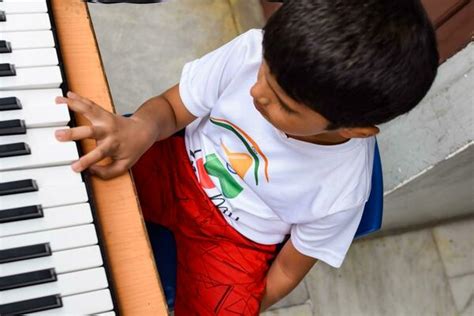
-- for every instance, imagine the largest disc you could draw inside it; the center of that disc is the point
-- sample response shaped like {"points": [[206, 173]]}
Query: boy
{"points": [[279, 145]]}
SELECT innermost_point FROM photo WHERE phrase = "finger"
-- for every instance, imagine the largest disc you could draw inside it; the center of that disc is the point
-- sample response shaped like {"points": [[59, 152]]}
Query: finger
{"points": [[73, 96], [78, 133], [81, 105], [110, 171], [76, 96], [60, 100], [89, 159], [76, 105]]}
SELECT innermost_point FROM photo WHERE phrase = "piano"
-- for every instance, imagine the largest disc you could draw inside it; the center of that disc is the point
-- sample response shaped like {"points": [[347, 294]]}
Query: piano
{"points": [[69, 243]]}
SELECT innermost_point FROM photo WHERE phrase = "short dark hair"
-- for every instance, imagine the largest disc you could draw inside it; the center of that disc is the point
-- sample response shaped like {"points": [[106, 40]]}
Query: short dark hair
{"points": [[357, 63]]}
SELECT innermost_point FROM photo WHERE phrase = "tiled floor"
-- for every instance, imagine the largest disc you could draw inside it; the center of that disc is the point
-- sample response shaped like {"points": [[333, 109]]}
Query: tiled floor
{"points": [[456, 245], [425, 272]]}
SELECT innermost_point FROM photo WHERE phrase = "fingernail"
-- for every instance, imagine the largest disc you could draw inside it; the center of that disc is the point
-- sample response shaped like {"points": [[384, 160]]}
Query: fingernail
{"points": [[76, 166], [71, 94], [60, 134]]}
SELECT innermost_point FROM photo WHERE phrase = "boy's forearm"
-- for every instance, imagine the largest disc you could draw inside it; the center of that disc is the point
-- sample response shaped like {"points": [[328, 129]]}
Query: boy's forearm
{"points": [[158, 117], [278, 285], [164, 115], [287, 270]]}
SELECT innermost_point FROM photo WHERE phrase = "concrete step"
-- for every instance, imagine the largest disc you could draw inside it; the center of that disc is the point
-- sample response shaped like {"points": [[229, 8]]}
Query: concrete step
{"points": [[427, 155]]}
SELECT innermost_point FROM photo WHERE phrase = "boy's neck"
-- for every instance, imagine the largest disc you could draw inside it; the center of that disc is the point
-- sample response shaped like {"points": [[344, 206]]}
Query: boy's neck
{"points": [[327, 139]]}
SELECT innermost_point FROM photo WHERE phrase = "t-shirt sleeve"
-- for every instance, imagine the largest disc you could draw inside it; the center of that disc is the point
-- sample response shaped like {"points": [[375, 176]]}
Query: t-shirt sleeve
{"points": [[204, 80], [328, 238]]}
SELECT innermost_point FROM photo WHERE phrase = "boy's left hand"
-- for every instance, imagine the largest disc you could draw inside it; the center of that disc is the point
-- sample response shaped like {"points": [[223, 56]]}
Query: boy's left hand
{"points": [[121, 139]]}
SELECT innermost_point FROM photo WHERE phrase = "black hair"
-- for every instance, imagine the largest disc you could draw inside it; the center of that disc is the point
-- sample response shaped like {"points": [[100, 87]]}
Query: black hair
{"points": [[357, 63]]}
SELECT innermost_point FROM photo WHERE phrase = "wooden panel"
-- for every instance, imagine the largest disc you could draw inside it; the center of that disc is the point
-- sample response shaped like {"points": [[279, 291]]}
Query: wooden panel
{"points": [[440, 10], [452, 19], [128, 251], [269, 8], [456, 33]]}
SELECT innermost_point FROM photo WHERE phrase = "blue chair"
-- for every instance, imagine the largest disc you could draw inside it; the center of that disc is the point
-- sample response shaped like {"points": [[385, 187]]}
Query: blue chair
{"points": [[371, 220], [164, 248]]}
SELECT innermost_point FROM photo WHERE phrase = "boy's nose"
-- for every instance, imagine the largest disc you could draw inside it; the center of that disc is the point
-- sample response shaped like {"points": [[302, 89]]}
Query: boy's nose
{"points": [[254, 91], [256, 94]]}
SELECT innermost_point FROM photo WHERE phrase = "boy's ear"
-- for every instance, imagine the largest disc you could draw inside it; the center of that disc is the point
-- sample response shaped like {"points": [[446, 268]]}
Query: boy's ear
{"points": [[359, 132]]}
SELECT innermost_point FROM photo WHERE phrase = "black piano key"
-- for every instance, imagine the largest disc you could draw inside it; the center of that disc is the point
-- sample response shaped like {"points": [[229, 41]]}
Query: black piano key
{"points": [[25, 252], [19, 186], [15, 149], [5, 47], [3, 16], [27, 279], [7, 70], [12, 127], [31, 306], [10, 103], [21, 213], [125, 1]]}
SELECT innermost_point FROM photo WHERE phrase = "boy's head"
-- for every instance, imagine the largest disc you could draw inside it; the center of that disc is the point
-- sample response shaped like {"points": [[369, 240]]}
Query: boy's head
{"points": [[357, 63]]}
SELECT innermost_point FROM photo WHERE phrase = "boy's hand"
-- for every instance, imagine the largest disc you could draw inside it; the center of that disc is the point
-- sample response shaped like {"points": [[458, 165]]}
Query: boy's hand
{"points": [[122, 139]]}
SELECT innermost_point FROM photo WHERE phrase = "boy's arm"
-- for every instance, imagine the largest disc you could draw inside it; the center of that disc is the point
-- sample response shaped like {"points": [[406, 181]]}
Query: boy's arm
{"points": [[286, 271], [164, 114], [122, 139]]}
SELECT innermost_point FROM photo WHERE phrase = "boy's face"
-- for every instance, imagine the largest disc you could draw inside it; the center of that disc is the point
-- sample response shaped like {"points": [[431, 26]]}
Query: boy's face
{"points": [[287, 115]]}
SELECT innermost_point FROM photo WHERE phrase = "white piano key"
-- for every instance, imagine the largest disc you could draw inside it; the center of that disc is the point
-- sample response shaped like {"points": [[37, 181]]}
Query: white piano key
{"points": [[45, 150], [39, 116], [62, 261], [25, 22], [59, 239], [35, 103], [106, 314], [34, 39], [67, 284], [91, 303], [54, 218], [49, 196], [36, 57], [50, 176], [29, 98], [33, 78], [23, 7]]}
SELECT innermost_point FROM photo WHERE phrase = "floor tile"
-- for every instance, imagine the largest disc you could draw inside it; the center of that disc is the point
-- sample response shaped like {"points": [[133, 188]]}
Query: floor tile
{"points": [[462, 288], [395, 275], [456, 245], [298, 310]]}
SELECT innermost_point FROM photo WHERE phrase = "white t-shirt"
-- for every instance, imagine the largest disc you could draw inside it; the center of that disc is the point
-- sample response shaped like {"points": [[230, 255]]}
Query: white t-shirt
{"points": [[265, 184]]}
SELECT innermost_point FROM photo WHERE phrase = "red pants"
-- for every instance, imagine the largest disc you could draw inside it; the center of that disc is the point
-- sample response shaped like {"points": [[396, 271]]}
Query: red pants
{"points": [[220, 272]]}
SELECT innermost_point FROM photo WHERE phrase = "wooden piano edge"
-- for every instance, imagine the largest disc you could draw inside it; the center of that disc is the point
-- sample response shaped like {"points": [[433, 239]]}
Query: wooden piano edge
{"points": [[132, 268]]}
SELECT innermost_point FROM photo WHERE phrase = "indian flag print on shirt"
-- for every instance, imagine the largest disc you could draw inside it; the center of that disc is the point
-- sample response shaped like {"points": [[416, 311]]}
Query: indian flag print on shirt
{"points": [[240, 162]]}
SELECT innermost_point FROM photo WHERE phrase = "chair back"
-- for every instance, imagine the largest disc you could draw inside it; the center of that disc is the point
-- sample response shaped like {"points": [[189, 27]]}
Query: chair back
{"points": [[373, 211]]}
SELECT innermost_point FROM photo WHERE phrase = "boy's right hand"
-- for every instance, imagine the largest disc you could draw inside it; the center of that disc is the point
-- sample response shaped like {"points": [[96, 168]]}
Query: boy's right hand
{"points": [[120, 138]]}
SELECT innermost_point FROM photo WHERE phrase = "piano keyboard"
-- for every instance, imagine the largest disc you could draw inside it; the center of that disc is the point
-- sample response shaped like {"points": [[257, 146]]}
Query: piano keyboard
{"points": [[50, 260]]}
